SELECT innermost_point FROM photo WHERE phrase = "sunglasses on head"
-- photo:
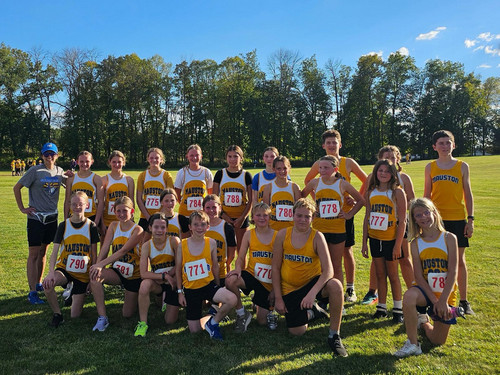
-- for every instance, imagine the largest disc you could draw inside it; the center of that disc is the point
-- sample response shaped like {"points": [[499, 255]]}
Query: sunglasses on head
{"points": [[48, 153]]}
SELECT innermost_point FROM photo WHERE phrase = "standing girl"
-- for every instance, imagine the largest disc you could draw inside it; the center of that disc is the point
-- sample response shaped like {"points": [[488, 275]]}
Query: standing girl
{"points": [[329, 191], [223, 234], [158, 272], [123, 236], [192, 183], [266, 176], [393, 154], [384, 226], [150, 184], [91, 184], [281, 195], [435, 261], [234, 186], [115, 185]]}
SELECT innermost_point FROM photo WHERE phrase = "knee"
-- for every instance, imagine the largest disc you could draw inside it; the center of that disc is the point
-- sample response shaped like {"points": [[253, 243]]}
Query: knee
{"points": [[298, 331], [334, 288]]}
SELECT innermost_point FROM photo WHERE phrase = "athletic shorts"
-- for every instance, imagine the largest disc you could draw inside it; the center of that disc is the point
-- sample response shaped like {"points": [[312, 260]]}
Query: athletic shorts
{"points": [[457, 227], [184, 223], [196, 297], [261, 294], [171, 296], [383, 249], [143, 223], [296, 317], [131, 285], [39, 233], [334, 238], [245, 224], [349, 232], [79, 287], [428, 309]]}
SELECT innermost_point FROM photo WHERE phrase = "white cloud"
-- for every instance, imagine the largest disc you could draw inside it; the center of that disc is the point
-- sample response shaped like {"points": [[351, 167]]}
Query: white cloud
{"points": [[431, 34], [373, 53], [478, 48], [404, 51], [484, 66], [492, 51], [470, 43]]}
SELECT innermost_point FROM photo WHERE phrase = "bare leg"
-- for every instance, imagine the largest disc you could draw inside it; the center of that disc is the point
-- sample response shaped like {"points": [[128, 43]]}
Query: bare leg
{"points": [[349, 265], [405, 265], [336, 253], [381, 279], [462, 274]]}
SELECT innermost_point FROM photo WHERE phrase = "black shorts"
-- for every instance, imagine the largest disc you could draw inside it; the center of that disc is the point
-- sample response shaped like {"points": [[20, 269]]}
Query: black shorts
{"points": [[144, 224], [171, 296], [334, 238], [261, 294], [196, 297], [79, 287], [245, 224], [425, 309], [184, 223], [457, 227], [383, 249], [131, 285], [349, 232], [39, 233], [296, 317]]}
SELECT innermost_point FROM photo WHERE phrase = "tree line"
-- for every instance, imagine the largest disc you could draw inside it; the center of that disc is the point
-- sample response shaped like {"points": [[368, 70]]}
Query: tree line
{"points": [[132, 104]]}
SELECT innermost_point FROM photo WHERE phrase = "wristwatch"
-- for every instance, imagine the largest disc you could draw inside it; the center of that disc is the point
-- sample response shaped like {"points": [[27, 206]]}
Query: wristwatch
{"points": [[470, 217], [179, 291]]}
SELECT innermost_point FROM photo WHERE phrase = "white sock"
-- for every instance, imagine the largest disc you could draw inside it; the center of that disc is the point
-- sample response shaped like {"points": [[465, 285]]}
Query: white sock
{"points": [[240, 312]]}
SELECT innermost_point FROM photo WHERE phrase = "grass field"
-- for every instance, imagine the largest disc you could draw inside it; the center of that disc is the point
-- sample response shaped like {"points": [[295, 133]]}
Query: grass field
{"points": [[29, 346]]}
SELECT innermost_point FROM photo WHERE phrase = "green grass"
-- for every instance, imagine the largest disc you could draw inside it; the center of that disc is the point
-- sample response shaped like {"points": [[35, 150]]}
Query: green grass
{"points": [[29, 346]]}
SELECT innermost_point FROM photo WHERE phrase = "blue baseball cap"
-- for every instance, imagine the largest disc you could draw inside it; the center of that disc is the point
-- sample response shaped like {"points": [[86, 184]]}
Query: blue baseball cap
{"points": [[50, 147]]}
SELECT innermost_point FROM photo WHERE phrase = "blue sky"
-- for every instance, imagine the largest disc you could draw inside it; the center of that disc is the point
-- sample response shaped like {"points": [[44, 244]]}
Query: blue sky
{"points": [[460, 31]]}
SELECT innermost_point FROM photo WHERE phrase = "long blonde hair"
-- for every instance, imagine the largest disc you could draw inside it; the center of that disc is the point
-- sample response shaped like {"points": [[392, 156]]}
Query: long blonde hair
{"points": [[414, 229]]}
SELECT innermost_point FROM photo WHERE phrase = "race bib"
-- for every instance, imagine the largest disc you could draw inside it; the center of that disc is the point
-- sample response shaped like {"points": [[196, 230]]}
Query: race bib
{"points": [[125, 269], [329, 209], [232, 199], [89, 206], [77, 263], [378, 221], [196, 270], [111, 208], [152, 202], [437, 280], [194, 203], [284, 212], [262, 272]]}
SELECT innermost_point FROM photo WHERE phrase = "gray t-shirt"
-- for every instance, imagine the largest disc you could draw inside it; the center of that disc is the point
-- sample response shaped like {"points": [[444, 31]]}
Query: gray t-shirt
{"points": [[44, 186]]}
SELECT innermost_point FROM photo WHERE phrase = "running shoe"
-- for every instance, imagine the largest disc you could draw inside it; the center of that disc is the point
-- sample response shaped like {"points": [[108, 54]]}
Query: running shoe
{"points": [[422, 319], [466, 306], [34, 299], [213, 330], [319, 312], [214, 309], [39, 287], [57, 320], [370, 298], [242, 322], [397, 317], [408, 349], [350, 296], [380, 314], [102, 324], [336, 345], [141, 329], [272, 320]]}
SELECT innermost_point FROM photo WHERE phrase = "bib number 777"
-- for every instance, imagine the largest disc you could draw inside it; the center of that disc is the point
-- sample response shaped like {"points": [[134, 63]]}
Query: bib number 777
{"points": [[378, 221]]}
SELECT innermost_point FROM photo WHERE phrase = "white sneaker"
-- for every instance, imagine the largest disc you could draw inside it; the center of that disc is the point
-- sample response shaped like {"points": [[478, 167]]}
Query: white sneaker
{"points": [[67, 292], [350, 296], [102, 324], [409, 349], [422, 318]]}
